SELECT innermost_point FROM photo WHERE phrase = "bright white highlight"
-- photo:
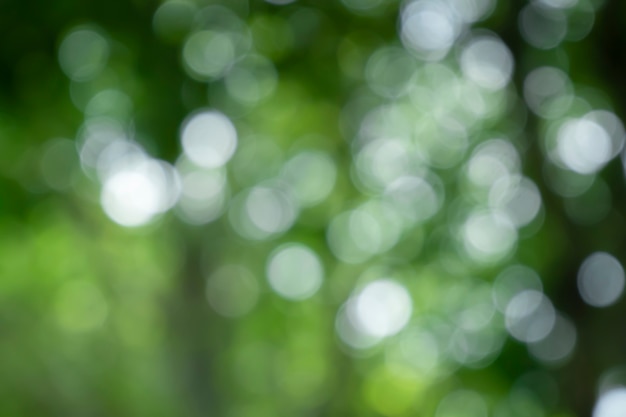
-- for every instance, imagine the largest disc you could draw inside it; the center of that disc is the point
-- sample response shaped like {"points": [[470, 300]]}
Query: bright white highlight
{"points": [[381, 309], [429, 28], [487, 62], [611, 404], [133, 195], [209, 139], [583, 146], [295, 272]]}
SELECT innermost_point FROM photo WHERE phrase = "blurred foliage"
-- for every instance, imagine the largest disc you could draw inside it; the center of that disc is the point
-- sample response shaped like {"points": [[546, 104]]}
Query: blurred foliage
{"points": [[252, 208]]}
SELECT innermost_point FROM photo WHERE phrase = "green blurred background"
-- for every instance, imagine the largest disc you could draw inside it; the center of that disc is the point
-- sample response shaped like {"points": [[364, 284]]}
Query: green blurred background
{"points": [[248, 208]]}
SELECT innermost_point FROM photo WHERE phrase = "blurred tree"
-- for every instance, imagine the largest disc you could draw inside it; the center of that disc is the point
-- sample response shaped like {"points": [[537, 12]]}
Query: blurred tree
{"points": [[361, 207]]}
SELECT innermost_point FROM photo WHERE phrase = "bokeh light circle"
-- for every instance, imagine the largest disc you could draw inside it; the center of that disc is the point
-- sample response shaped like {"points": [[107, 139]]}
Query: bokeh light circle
{"points": [[601, 280], [294, 271], [209, 138], [381, 309]]}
